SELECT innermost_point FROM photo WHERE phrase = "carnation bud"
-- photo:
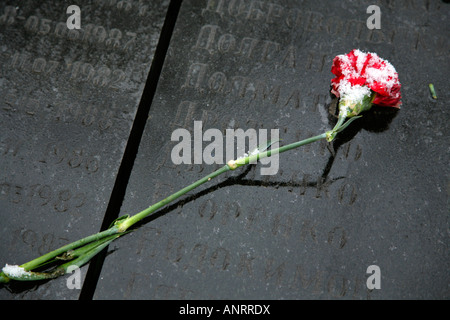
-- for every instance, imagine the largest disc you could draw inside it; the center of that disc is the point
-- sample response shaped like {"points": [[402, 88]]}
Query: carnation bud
{"points": [[353, 105], [355, 100]]}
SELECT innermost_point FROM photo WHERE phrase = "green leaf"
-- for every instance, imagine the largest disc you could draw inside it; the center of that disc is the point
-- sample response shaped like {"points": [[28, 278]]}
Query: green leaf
{"points": [[118, 220], [263, 148], [20, 274], [347, 123]]}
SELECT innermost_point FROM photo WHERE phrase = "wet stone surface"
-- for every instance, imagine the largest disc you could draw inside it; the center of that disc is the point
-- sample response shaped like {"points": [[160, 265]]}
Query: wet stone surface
{"points": [[376, 196], [67, 104]]}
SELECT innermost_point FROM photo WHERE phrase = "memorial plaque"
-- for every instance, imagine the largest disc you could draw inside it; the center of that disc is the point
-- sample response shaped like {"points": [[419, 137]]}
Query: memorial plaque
{"points": [[68, 97], [364, 217]]}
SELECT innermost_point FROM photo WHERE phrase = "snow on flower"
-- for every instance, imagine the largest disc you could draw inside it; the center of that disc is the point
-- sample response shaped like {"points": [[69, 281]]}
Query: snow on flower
{"points": [[358, 74]]}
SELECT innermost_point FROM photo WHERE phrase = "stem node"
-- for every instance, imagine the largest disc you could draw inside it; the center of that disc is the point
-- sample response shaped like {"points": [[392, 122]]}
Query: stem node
{"points": [[232, 164]]}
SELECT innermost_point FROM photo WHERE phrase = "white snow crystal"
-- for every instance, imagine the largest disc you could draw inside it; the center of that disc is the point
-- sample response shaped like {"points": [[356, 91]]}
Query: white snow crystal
{"points": [[385, 74], [353, 93], [14, 271]]}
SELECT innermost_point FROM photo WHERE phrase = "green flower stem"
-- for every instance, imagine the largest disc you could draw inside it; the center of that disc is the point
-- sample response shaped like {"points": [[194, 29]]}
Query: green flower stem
{"points": [[4, 278], [42, 260], [81, 255], [340, 122], [128, 222], [432, 91], [89, 253], [71, 246], [81, 251], [332, 133], [253, 158]]}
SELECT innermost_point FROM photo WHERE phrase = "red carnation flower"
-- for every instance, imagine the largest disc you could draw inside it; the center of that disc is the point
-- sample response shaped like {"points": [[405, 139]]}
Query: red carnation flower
{"points": [[362, 79], [361, 74]]}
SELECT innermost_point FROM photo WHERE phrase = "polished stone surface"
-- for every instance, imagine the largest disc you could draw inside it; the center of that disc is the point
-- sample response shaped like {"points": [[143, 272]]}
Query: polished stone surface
{"points": [[67, 103], [377, 196]]}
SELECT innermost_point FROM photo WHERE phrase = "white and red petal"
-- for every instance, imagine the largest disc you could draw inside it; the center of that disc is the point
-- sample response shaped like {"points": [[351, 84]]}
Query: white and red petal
{"points": [[366, 69]]}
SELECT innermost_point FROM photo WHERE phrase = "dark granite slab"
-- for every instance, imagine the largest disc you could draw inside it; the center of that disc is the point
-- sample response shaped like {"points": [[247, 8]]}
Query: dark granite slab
{"points": [[67, 103], [377, 196]]}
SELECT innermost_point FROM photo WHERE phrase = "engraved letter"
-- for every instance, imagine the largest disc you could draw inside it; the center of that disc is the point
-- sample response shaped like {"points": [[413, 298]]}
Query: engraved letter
{"points": [[226, 43], [275, 11], [206, 37], [212, 6], [263, 92], [195, 76], [269, 272], [74, 21], [217, 81], [268, 48], [220, 258], [247, 46], [255, 13], [289, 57]]}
